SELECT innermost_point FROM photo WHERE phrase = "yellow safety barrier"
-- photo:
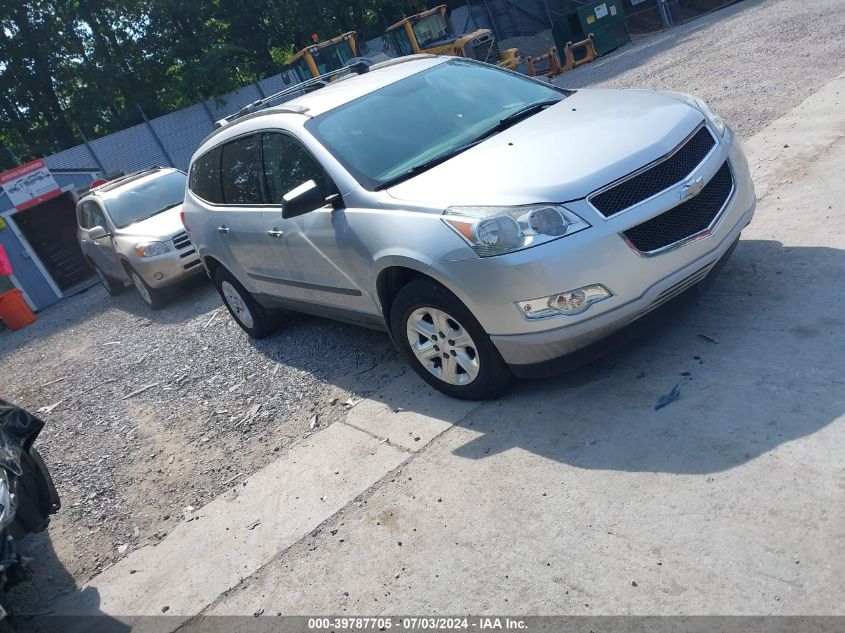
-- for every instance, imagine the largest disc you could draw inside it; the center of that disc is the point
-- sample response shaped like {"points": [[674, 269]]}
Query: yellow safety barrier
{"points": [[548, 64], [589, 52]]}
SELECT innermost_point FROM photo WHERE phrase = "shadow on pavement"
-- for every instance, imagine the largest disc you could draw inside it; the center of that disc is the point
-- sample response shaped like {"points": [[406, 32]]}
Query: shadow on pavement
{"points": [[756, 355], [30, 599]]}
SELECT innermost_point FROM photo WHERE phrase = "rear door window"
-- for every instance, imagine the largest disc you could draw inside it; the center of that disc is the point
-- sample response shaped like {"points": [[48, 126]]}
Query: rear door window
{"points": [[239, 169], [204, 180]]}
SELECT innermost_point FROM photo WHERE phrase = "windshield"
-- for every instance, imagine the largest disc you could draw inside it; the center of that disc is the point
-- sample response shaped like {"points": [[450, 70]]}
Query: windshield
{"points": [[430, 29], [333, 57], [386, 133], [139, 201], [301, 69]]}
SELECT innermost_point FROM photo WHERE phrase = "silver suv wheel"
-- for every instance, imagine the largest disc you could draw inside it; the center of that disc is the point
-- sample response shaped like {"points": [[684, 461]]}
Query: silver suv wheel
{"points": [[236, 304], [442, 346], [142, 288]]}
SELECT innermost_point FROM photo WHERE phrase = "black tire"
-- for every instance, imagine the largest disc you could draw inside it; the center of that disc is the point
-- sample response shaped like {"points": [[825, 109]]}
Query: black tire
{"points": [[257, 321], [155, 299], [493, 373], [113, 286]]}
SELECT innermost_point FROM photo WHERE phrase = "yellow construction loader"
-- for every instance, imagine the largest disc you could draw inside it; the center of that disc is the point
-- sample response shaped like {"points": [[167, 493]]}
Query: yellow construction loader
{"points": [[430, 32], [322, 57]]}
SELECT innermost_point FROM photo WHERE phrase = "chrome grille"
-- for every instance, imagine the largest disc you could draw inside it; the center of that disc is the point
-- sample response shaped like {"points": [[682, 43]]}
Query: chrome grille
{"points": [[686, 220], [671, 170], [181, 240]]}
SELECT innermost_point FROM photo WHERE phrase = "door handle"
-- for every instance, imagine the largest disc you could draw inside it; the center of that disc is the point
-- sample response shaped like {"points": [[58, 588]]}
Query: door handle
{"points": [[275, 233], [223, 229]]}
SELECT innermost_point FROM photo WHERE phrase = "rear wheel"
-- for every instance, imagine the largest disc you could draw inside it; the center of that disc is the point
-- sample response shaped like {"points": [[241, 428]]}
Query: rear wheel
{"points": [[152, 297], [444, 343], [112, 286], [254, 319]]}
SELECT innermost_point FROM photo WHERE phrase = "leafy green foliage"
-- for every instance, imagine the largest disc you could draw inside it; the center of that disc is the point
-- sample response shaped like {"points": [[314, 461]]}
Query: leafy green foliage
{"points": [[73, 67]]}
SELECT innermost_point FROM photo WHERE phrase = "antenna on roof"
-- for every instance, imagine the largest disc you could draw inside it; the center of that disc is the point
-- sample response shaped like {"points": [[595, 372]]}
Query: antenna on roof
{"points": [[359, 67]]}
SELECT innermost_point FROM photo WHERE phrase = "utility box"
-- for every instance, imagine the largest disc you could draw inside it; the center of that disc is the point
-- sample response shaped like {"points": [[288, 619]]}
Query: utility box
{"points": [[603, 19]]}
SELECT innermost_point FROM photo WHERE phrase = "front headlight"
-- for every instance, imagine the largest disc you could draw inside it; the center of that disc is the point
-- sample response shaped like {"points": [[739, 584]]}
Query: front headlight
{"points": [[714, 119], [498, 230], [150, 249]]}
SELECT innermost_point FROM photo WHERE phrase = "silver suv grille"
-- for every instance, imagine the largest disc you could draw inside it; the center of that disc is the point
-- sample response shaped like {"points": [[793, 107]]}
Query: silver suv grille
{"points": [[187, 253], [669, 171], [688, 219], [181, 240]]}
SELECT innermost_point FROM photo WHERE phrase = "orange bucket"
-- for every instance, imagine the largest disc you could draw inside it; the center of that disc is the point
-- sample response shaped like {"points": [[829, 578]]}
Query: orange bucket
{"points": [[14, 310]]}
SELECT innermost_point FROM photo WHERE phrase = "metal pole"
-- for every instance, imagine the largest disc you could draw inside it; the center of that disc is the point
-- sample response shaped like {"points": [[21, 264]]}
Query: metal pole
{"points": [[155, 136], [208, 112], [663, 7], [492, 21], [472, 16], [549, 13], [12, 154], [91, 150]]}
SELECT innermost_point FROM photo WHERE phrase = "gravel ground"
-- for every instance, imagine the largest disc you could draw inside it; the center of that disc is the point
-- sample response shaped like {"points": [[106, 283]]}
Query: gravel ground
{"points": [[215, 407], [219, 406], [753, 61]]}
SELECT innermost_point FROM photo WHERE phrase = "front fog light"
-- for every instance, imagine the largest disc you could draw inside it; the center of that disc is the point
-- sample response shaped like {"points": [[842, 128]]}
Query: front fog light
{"points": [[569, 302]]}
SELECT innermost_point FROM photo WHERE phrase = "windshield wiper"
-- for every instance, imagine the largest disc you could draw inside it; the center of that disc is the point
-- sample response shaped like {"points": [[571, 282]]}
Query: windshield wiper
{"points": [[162, 210], [433, 162], [503, 124], [524, 113]]}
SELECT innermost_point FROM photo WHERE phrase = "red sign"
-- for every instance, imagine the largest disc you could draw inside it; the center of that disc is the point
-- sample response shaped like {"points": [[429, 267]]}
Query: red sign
{"points": [[30, 184]]}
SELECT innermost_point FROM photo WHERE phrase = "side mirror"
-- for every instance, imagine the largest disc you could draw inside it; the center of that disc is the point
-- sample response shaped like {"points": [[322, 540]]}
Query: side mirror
{"points": [[96, 232], [304, 198]]}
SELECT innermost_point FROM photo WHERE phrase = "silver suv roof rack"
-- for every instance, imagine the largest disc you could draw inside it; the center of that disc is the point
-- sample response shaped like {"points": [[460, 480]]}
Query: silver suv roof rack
{"points": [[359, 67]]}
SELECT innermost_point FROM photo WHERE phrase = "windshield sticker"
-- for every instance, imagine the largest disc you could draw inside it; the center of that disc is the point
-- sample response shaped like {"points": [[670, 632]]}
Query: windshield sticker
{"points": [[601, 11]]}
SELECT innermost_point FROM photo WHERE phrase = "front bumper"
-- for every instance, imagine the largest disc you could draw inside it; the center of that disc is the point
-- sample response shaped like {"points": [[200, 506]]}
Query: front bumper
{"points": [[545, 353], [168, 269]]}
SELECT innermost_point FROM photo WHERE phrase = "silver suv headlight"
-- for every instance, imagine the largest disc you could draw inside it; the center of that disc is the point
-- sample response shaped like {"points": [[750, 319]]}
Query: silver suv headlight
{"points": [[710, 115], [150, 249], [498, 230]]}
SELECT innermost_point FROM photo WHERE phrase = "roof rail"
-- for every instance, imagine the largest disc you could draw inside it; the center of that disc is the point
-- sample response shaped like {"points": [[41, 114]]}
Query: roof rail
{"points": [[359, 67], [126, 178]]}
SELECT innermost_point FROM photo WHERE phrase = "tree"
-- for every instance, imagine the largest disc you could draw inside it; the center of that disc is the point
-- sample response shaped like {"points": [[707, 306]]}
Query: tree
{"points": [[87, 63]]}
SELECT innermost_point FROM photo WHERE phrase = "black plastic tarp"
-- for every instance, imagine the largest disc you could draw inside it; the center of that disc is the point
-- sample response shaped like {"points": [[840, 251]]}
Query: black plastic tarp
{"points": [[18, 430]]}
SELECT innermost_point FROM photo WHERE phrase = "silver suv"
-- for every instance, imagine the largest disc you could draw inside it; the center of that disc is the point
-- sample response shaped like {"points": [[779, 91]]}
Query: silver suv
{"points": [[129, 230], [491, 223]]}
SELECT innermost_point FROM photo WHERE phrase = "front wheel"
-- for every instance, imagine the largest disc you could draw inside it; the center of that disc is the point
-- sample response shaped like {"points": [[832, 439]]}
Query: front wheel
{"points": [[254, 319], [444, 343], [155, 299], [112, 286]]}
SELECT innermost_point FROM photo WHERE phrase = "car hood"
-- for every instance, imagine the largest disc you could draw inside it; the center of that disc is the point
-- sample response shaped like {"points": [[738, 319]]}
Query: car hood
{"points": [[560, 154], [162, 226]]}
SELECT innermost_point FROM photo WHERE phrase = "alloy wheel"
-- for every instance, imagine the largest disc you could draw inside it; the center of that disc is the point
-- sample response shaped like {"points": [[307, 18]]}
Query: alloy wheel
{"points": [[237, 304], [142, 288], [443, 346]]}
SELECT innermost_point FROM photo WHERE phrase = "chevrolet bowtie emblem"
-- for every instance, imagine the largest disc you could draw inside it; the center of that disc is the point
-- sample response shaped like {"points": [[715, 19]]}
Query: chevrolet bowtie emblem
{"points": [[692, 189]]}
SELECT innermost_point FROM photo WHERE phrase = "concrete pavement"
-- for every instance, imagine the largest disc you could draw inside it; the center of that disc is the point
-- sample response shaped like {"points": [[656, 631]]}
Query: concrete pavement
{"points": [[573, 495]]}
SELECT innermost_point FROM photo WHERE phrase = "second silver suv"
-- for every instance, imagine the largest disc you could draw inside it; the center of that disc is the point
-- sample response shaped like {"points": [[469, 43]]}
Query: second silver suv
{"points": [[130, 230], [493, 224]]}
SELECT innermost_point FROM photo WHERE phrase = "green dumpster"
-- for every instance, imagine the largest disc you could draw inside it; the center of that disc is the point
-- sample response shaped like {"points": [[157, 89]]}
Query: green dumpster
{"points": [[604, 19]]}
